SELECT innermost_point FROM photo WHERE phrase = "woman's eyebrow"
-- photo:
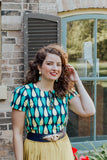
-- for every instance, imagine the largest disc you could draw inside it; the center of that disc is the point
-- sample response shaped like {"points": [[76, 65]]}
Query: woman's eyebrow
{"points": [[53, 61]]}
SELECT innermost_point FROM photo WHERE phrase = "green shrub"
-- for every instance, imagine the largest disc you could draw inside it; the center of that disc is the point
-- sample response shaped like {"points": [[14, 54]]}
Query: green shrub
{"points": [[99, 153]]}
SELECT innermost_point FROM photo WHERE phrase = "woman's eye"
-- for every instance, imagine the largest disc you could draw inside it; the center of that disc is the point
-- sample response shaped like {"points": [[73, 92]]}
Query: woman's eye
{"points": [[49, 63], [59, 64]]}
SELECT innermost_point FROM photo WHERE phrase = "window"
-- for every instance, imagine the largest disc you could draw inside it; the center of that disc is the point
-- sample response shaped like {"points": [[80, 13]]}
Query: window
{"points": [[84, 37]]}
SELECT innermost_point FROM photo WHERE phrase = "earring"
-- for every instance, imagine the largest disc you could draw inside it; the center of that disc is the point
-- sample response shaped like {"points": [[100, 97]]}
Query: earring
{"points": [[39, 72], [56, 80], [39, 75]]}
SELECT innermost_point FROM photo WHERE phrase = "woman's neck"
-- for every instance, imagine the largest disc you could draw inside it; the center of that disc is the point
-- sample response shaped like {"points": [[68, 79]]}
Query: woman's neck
{"points": [[45, 85]]}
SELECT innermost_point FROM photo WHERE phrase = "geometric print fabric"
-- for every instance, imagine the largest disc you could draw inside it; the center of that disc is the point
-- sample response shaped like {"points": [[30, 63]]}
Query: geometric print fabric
{"points": [[40, 116]]}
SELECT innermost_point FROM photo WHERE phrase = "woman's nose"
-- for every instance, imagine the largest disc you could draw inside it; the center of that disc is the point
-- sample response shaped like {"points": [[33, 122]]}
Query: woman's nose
{"points": [[55, 67]]}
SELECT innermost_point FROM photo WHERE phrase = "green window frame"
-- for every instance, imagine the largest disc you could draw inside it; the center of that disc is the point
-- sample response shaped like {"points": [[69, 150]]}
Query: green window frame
{"points": [[97, 142]]}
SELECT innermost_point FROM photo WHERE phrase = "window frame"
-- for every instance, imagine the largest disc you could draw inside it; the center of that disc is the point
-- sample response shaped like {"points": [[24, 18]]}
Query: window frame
{"points": [[79, 140]]}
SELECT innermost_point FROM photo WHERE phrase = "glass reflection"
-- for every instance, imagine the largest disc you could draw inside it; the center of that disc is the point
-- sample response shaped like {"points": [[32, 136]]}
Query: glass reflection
{"points": [[101, 112], [80, 46], [78, 126], [102, 47]]}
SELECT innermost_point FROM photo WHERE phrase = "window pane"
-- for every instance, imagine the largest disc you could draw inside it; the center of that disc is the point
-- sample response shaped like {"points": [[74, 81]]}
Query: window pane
{"points": [[101, 113], [102, 48], [80, 46], [78, 126]]}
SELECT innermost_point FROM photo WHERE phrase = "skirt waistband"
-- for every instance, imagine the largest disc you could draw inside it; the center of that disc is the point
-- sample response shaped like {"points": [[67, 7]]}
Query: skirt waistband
{"points": [[47, 137]]}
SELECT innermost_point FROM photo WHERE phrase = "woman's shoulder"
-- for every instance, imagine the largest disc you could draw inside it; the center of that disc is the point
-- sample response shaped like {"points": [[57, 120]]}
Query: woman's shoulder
{"points": [[23, 89]]}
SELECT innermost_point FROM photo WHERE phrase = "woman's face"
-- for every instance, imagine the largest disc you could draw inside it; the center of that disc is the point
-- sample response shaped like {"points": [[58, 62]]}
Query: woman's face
{"points": [[51, 68]]}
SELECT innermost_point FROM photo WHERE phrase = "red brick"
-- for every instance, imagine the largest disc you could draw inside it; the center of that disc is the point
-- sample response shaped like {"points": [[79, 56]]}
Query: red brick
{"points": [[19, 81], [3, 153], [21, 68], [10, 127], [5, 120], [4, 61], [15, 34], [8, 40], [34, 7], [5, 75], [7, 68], [6, 151], [15, 68], [3, 127], [8, 114], [16, 61], [2, 114], [26, 6], [18, 74], [18, 48], [6, 55], [17, 54]]}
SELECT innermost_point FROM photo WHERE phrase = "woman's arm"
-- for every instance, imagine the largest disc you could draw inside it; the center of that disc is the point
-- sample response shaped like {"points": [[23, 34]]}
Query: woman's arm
{"points": [[18, 125], [83, 104]]}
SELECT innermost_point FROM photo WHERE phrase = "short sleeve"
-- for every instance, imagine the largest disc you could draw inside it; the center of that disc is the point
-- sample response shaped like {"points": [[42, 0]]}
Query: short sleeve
{"points": [[19, 99], [72, 94]]}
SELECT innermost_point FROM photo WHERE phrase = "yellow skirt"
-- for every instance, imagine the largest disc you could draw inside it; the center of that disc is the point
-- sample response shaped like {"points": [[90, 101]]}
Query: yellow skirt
{"points": [[59, 150]]}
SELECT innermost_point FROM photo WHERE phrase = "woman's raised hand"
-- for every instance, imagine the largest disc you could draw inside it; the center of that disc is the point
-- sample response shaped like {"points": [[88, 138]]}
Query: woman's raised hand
{"points": [[74, 75]]}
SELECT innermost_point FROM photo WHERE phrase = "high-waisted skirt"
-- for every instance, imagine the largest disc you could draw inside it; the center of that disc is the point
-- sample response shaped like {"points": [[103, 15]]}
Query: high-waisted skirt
{"points": [[59, 150]]}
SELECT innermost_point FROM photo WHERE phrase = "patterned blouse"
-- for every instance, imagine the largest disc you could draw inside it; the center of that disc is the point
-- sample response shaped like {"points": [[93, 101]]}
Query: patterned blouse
{"points": [[45, 113]]}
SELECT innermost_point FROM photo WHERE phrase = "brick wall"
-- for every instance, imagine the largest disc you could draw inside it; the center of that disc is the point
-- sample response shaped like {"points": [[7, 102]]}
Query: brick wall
{"points": [[6, 146], [12, 68]]}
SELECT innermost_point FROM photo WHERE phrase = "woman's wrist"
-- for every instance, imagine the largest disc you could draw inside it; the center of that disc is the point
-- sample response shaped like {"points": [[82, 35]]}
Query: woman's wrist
{"points": [[78, 82]]}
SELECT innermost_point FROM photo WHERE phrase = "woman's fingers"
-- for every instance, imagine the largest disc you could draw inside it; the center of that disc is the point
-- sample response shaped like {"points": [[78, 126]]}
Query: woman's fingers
{"points": [[71, 68]]}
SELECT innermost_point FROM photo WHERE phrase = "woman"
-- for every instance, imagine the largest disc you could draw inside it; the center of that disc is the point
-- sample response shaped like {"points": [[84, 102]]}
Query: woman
{"points": [[42, 103]]}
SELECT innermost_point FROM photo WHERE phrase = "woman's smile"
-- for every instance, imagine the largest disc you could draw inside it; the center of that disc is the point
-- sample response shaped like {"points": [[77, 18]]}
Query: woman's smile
{"points": [[53, 73]]}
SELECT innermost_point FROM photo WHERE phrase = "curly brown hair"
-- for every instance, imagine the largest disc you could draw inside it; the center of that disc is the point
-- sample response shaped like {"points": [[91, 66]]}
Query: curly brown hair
{"points": [[63, 86]]}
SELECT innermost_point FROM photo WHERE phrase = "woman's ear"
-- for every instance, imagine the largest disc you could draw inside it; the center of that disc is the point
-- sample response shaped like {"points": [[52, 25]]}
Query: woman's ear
{"points": [[39, 68]]}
